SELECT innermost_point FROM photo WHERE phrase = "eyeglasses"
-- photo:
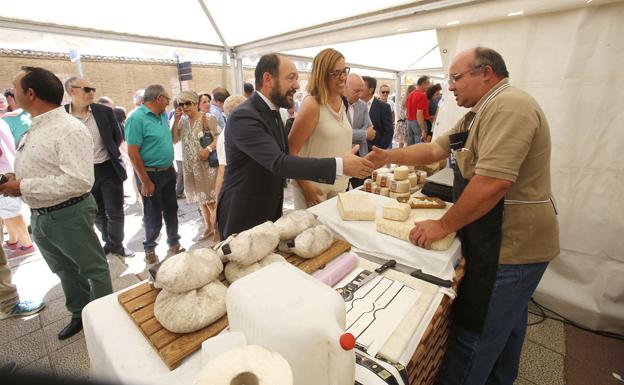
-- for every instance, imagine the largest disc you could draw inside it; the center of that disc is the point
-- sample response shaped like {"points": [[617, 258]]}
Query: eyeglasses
{"points": [[338, 73], [385, 92], [452, 79], [85, 89]]}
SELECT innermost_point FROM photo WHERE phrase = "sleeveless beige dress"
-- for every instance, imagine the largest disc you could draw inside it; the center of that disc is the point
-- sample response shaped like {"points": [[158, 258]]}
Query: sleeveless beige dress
{"points": [[331, 138]]}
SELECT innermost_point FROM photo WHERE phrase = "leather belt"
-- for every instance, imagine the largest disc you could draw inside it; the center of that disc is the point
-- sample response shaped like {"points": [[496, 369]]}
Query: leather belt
{"points": [[157, 169], [62, 205]]}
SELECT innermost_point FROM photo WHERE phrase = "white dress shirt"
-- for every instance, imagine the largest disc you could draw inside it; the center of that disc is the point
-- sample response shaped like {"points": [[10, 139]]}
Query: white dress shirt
{"points": [[54, 159]]}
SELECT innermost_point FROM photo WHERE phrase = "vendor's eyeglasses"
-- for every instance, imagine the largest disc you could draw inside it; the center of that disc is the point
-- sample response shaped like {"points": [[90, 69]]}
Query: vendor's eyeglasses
{"points": [[85, 89], [338, 73], [453, 78]]}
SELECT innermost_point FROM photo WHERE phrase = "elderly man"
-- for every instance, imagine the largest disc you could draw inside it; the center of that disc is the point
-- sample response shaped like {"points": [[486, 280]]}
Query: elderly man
{"points": [[357, 113], [502, 151], [150, 148], [256, 149], [109, 168], [54, 175]]}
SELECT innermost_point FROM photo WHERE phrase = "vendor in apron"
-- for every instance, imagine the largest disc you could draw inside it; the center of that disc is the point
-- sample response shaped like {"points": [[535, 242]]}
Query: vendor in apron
{"points": [[503, 215]]}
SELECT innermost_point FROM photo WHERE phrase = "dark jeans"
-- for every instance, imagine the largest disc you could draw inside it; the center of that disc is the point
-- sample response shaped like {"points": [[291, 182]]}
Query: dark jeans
{"points": [[108, 193], [180, 178], [162, 205], [493, 356]]}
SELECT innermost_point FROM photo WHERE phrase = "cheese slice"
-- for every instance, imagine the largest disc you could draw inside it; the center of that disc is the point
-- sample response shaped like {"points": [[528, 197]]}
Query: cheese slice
{"points": [[401, 173], [355, 207], [396, 211]]}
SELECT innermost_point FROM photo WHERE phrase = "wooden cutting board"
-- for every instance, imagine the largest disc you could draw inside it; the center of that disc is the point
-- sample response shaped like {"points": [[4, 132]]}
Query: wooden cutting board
{"points": [[172, 348]]}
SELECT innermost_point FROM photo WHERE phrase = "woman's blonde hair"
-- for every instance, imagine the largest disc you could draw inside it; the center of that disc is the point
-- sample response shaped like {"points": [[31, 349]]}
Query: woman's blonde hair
{"points": [[322, 65], [231, 103], [188, 96]]}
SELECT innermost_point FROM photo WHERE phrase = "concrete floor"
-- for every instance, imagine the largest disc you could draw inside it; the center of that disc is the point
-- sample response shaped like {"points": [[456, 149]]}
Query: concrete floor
{"points": [[32, 343]]}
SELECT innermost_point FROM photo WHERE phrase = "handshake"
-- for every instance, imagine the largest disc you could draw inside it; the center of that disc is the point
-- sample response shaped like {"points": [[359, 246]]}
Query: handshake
{"points": [[358, 167]]}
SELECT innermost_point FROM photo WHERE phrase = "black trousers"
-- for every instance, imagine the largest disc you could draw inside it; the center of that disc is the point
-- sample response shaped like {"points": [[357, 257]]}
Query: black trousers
{"points": [[108, 193], [162, 205]]}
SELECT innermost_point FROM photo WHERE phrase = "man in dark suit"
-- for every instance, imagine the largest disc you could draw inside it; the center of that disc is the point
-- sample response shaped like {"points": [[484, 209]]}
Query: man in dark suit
{"points": [[256, 148], [109, 168], [380, 114]]}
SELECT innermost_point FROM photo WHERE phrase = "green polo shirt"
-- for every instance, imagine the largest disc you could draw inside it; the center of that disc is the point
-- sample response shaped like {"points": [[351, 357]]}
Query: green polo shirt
{"points": [[150, 132]]}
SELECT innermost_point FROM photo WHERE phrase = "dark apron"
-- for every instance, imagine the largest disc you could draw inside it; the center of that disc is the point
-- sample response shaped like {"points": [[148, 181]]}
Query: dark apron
{"points": [[481, 242]]}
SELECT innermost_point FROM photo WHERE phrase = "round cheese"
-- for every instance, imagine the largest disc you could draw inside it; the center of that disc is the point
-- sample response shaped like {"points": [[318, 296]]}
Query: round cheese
{"points": [[401, 173], [400, 186], [384, 191], [377, 190], [385, 180], [413, 179], [368, 185]]}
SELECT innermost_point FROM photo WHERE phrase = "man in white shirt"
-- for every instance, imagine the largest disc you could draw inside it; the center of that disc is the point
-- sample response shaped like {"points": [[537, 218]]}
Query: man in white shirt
{"points": [[54, 175]]}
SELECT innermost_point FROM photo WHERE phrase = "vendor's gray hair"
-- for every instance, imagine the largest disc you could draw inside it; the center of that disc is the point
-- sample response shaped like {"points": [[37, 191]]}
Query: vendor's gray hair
{"points": [[152, 92], [487, 56]]}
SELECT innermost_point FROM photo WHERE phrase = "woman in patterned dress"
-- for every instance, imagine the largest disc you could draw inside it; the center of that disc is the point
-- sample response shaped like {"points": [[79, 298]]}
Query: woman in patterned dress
{"points": [[400, 132], [199, 177]]}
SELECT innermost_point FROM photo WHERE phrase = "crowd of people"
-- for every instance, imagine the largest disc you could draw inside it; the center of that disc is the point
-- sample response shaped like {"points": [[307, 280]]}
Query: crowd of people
{"points": [[236, 154]]}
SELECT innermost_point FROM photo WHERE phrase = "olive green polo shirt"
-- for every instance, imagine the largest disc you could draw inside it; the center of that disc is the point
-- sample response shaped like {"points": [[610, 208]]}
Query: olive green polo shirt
{"points": [[510, 140], [150, 132]]}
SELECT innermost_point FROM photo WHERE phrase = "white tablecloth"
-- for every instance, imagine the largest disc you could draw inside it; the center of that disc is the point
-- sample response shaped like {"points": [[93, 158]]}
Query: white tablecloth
{"points": [[120, 353], [362, 235]]}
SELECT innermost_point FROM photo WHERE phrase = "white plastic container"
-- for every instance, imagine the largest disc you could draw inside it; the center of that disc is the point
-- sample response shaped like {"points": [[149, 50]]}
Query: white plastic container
{"points": [[286, 310]]}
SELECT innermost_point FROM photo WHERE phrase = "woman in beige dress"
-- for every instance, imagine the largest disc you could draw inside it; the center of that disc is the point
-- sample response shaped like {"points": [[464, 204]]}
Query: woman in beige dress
{"points": [[199, 177], [322, 129]]}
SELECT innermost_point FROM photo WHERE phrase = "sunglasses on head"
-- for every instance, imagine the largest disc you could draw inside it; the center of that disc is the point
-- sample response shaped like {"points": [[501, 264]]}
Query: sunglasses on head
{"points": [[185, 104], [85, 89]]}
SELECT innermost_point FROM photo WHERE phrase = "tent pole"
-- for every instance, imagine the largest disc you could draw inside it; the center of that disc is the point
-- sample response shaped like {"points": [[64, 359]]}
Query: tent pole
{"points": [[397, 99]]}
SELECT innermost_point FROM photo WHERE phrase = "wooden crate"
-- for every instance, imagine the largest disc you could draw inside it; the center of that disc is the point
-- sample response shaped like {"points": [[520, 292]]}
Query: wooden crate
{"points": [[425, 365], [172, 348]]}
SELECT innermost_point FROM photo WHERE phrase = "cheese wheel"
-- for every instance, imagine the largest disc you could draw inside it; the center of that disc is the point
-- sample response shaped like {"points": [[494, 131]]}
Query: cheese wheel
{"points": [[401, 173], [396, 211], [413, 179], [385, 191], [400, 186], [422, 176], [385, 180], [377, 190], [368, 185], [414, 189], [395, 195], [355, 207], [411, 168], [378, 173]]}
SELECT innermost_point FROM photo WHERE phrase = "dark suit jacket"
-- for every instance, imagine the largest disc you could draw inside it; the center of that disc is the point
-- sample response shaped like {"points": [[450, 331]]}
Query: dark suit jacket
{"points": [[111, 136], [381, 117], [256, 150]]}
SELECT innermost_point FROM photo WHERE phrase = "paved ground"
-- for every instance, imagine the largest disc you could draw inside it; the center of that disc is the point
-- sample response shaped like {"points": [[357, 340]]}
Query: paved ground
{"points": [[32, 342]]}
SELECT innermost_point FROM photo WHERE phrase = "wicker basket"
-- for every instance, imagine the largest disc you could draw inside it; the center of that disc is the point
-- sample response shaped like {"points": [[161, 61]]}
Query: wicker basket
{"points": [[424, 367]]}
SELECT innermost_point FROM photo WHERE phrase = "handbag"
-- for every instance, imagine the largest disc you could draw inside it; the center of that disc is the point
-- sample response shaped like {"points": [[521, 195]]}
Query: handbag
{"points": [[204, 141]]}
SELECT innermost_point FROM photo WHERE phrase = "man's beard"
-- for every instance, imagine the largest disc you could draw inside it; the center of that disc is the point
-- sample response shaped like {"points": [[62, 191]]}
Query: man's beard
{"points": [[282, 100]]}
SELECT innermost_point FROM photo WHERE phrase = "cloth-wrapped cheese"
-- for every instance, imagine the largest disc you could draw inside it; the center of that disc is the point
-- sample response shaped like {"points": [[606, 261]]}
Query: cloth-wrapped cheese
{"points": [[234, 271], [402, 230], [188, 270], [355, 207], [396, 211], [251, 245], [312, 242], [190, 311], [401, 173], [293, 223]]}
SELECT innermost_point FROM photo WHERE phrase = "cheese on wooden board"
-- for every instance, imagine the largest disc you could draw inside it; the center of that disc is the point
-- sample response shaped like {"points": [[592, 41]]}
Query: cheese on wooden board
{"points": [[396, 211], [355, 207], [401, 173], [395, 195]]}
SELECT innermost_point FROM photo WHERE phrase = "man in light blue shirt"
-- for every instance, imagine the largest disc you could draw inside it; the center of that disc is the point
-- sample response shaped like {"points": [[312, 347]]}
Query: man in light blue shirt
{"points": [[219, 95]]}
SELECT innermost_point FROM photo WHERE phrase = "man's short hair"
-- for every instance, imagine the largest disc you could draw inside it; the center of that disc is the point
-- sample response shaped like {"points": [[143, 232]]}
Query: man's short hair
{"points": [[105, 100], [371, 83], [248, 88], [487, 56], [69, 82], [152, 92], [47, 86], [220, 95], [267, 63], [231, 103], [138, 97], [422, 80]]}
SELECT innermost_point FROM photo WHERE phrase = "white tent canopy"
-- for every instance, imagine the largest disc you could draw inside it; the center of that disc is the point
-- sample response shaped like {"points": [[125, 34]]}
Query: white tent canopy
{"points": [[564, 52]]}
